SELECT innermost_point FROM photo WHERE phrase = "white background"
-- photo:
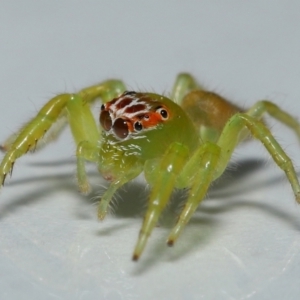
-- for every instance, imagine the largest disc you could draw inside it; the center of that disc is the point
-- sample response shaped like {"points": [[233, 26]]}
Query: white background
{"points": [[242, 243]]}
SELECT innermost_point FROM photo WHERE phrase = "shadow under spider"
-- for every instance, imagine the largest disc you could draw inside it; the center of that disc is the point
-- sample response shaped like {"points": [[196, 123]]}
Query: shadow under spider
{"points": [[131, 202], [131, 199]]}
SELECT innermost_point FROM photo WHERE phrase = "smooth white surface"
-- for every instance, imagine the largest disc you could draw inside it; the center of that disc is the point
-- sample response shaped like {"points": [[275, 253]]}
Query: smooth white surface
{"points": [[243, 243]]}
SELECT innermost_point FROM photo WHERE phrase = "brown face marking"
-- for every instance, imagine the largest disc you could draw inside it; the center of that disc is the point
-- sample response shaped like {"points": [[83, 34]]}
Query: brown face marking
{"points": [[125, 102], [131, 113], [135, 108]]}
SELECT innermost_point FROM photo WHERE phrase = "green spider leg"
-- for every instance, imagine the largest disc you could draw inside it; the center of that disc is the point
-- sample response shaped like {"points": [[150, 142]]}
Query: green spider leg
{"points": [[226, 144], [131, 171], [183, 84], [173, 171], [264, 106], [71, 108], [161, 175]]}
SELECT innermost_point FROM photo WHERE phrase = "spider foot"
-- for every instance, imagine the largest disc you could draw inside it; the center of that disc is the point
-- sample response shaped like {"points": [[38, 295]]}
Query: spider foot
{"points": [[102, 209], [140, 246], [3, 179], [84, 188], [173, 235], [298, 197]]}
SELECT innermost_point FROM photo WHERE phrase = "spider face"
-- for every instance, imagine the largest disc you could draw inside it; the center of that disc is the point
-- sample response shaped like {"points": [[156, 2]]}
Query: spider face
{"points": [[131, 114]]}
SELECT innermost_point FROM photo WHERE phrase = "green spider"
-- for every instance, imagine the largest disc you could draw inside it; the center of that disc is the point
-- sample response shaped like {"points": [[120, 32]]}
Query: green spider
{"points": [[183, 143]]}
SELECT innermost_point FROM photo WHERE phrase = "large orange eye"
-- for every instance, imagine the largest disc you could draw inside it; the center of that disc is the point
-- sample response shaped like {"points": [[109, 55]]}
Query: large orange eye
{"points": [[120, 128], [105, 120]]}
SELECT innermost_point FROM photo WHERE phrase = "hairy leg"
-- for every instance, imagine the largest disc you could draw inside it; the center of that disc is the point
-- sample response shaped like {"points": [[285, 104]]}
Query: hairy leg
{"points": [[162, 180], [132, 171], [260, 108], [197, 174], [184, 83], [229, 139], [73, 108], [210, 161]]}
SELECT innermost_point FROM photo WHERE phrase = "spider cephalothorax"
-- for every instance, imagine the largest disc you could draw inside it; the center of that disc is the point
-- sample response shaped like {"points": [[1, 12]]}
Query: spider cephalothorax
{"points": [[182, 142], [132, 113]]}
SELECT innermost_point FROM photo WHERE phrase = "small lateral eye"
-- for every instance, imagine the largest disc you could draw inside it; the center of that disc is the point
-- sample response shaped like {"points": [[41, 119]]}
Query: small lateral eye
{"points": [[102, 107], [163, 112], [105, 120], [138, 126], [129, 93], [120, 128]]}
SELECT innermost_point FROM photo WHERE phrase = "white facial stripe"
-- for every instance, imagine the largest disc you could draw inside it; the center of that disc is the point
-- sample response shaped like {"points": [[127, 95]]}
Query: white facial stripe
{"points": [[117, 113]]}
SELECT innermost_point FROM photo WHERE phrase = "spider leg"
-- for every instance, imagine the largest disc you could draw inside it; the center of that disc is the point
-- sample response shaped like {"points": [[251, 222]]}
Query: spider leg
{"points": [[26, 139], [210, 161], [229, 139], [132, 171], [261, 107], [197, 174], [49, 136], [106, 90], [86, 150], [183, 84], [164, 175], [73, 108]]}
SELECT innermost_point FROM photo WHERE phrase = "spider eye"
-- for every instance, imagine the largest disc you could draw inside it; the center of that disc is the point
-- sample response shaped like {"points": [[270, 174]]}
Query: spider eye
{"points": [[120, 128], [138, 126], [129, 93], [102, 107], [163, 112], [105, 120]]}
